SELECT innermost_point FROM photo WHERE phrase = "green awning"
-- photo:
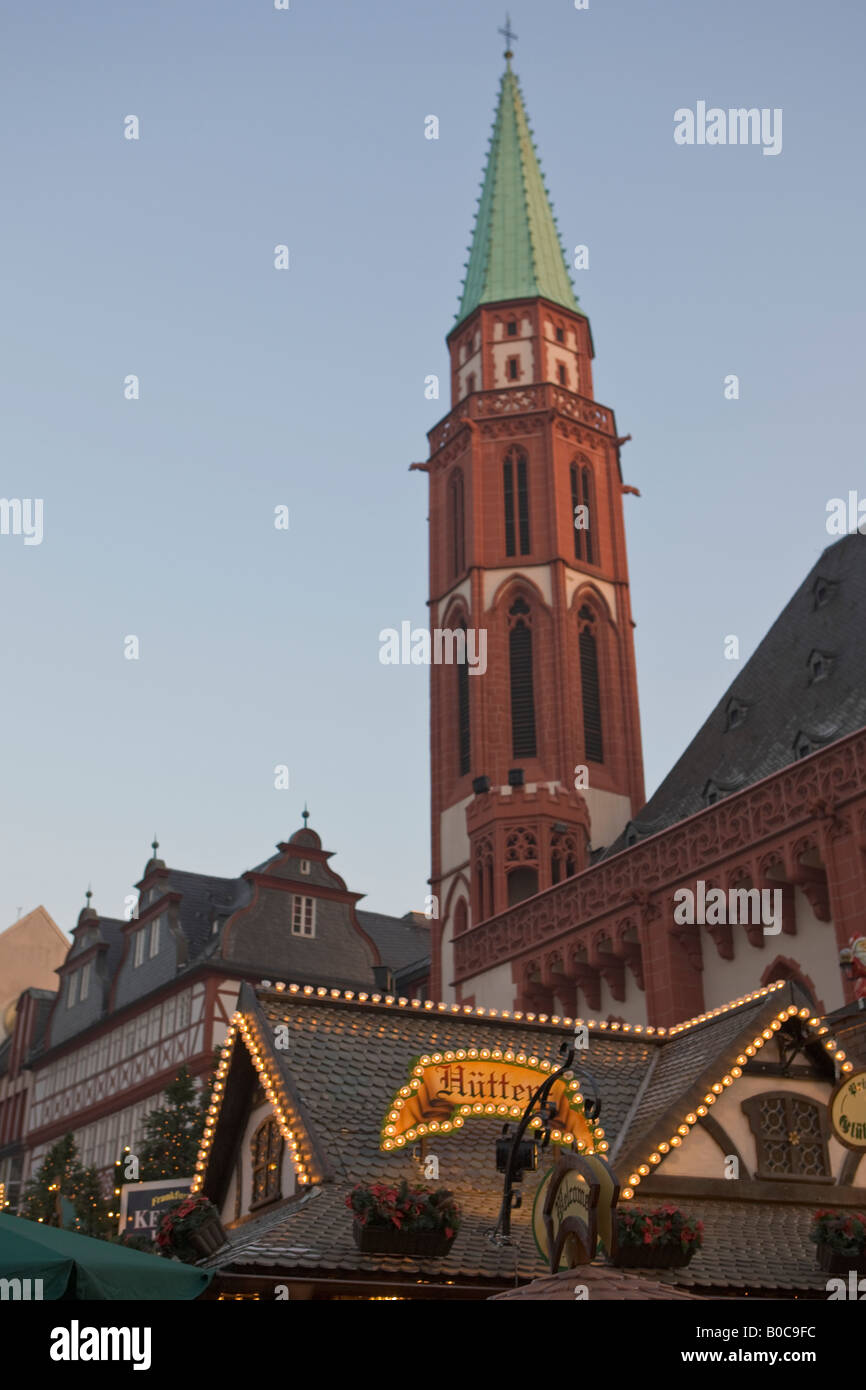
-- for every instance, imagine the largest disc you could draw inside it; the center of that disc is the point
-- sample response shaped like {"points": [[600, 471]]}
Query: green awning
{"points": [[76, 1266]]}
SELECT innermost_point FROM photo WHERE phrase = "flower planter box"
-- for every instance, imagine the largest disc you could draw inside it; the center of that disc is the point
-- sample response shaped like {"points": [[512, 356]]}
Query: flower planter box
{"points": [[209, 1237], [652, 1256], [833, 1262], [413, 1245]]}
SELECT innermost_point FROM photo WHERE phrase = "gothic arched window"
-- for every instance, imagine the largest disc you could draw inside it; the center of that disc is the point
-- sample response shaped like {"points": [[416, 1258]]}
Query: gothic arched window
{"points": [[515, 481], [483, 904], [267, 1156], [582, 495], [463, 734], [460, 917], [590, 689], [522, 692], [456, 524]]}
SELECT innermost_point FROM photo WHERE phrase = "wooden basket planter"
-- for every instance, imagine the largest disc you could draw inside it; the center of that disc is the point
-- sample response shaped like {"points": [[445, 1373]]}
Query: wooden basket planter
{"points": [[407, 1245], [653, 1256], [210, 1236], [833, 1262]]}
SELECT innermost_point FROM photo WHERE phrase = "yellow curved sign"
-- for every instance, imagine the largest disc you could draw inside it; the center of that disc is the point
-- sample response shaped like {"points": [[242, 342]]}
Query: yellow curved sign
{"points": [[445, 1089], [848, 1111]]}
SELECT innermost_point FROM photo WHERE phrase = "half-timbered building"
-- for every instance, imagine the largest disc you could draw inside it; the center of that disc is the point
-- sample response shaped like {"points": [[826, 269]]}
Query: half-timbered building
{"points": [[139, 998]]}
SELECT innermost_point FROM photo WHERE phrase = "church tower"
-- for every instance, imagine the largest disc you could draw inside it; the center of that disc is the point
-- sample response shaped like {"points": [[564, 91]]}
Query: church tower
{"points": [[535, 740]]}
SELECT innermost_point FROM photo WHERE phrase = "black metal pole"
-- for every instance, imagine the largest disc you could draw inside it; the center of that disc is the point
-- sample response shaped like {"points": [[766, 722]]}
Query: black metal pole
{"points": [[538, 1097]]}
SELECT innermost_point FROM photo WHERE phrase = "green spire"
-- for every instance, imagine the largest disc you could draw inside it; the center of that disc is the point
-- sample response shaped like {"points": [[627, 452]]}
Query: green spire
{"points": [[516, 252]]}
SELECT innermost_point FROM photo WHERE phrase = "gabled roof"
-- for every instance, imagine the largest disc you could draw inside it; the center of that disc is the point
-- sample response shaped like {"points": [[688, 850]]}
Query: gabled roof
{"points": [[776, 696], [348, 1055], [516, 251]]}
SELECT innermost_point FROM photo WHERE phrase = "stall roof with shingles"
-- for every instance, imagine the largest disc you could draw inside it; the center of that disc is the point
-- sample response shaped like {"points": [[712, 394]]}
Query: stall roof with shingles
{"points": [[346, 1059]]}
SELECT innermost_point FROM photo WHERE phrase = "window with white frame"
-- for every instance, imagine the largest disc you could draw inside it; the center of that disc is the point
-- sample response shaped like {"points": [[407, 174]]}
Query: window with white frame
{"points": [[85, 981], [304, 916], [138, 948], [154, 936], [72, 989]]}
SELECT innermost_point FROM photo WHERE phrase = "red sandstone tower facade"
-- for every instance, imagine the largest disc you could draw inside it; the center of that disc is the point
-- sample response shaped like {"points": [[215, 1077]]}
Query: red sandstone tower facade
{"points": [[535, 741]]}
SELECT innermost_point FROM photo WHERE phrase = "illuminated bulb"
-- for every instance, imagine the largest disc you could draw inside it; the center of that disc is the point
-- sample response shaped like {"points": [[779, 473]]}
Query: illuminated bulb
{"points": [[655, 1158]]}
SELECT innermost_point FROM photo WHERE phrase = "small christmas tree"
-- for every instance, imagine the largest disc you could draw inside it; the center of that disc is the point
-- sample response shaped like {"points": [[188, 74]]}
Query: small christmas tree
{"points": [[65, 1193], [173, 1132]]}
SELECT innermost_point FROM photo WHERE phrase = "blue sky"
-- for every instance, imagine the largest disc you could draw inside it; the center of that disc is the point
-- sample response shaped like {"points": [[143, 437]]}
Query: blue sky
{"points": [[305, 388]]}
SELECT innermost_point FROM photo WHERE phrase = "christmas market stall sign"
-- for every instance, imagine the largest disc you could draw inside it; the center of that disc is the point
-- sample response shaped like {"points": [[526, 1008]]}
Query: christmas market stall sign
{"points": [[574, 1211], [444, 1089], [142, 1204], [847, 1108]]}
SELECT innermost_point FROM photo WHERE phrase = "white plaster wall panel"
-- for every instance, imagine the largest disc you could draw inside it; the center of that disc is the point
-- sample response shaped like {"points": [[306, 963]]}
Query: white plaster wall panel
{"points": [[539, 575]]}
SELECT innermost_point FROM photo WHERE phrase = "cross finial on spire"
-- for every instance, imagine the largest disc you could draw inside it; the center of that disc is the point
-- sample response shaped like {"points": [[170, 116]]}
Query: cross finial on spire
{"points": [[305, 815], [154, 844], [509, 36]]}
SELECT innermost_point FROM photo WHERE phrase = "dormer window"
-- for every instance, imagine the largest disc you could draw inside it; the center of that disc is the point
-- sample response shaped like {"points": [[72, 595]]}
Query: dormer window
{"points": [[819, 666], [72, 990], [305, 866], [630, 835], [735, 713], [823, 590], [711, 794], [802, 745], [85, 982], [512, 328], [304, 916], [154, 936], [138, 947]]}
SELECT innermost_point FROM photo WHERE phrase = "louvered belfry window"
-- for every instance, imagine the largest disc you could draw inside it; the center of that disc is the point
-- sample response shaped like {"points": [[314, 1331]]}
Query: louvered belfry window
{"points": [[463, 743], [589, 682], [515, 480], [582, 495], [457, 549], [522, 693]]}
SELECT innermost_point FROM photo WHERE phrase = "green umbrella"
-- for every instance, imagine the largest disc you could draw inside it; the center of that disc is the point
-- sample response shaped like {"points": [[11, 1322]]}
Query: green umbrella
{"points": [[76, 1266]]}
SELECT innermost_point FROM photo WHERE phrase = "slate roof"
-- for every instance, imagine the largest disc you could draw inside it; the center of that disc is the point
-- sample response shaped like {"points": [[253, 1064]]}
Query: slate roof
{"points": [[111, 930], [763, 1246], [204, 897], [760, 1246], [344, 1063], [776, 696], [604, 1283], [401, 941], [516, 252]]}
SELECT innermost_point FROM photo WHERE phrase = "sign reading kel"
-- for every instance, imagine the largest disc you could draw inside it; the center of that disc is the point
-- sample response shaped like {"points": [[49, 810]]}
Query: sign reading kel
{"points": [[142, 1204]]}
